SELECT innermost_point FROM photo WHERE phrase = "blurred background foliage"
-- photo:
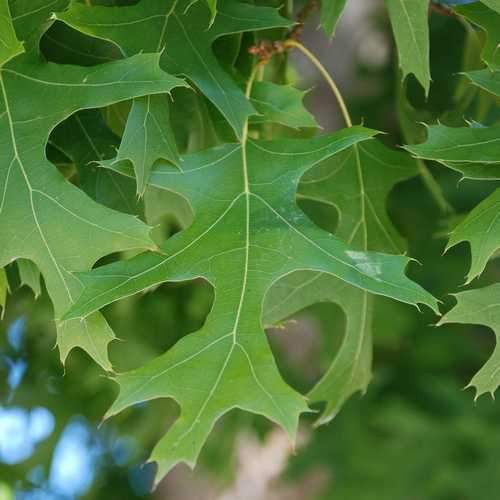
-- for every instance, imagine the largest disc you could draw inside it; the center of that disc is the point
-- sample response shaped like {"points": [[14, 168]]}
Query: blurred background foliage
{"points": [[415, 434]]}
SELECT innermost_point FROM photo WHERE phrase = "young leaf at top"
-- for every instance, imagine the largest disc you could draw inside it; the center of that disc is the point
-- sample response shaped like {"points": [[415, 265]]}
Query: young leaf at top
{"points": [[10, 46], [247, 234], [480, 307], [409, 20], [357, 182], [184, 39], [44, 218], [331, 10]]}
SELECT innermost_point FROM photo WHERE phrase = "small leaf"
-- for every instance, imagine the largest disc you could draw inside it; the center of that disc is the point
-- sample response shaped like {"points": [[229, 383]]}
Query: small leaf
{"points": [[280, 104], [460, 145], [409, 20], [148, 137], [481, 228], [480, 307], [331, 10]]}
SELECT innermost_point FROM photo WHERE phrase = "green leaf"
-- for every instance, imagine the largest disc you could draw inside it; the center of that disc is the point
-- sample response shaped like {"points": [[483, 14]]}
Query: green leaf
{"points": [[44, 218], [481, 228], [357, 182], [489, 22], [183, 36], [331, 10], [480, 307], [476, 171], [247, 234], [486, 79], [492, 4], [280, 104], [471, 151], [410, 26], [29, 276], [459, 145], [148, 137], [10, 46]]}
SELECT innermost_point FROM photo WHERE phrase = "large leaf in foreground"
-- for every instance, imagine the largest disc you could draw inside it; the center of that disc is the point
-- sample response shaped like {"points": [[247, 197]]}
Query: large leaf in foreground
{"points": [[357, 182], [38, 207], [247, 233], [184, 36], [480, 307]]}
